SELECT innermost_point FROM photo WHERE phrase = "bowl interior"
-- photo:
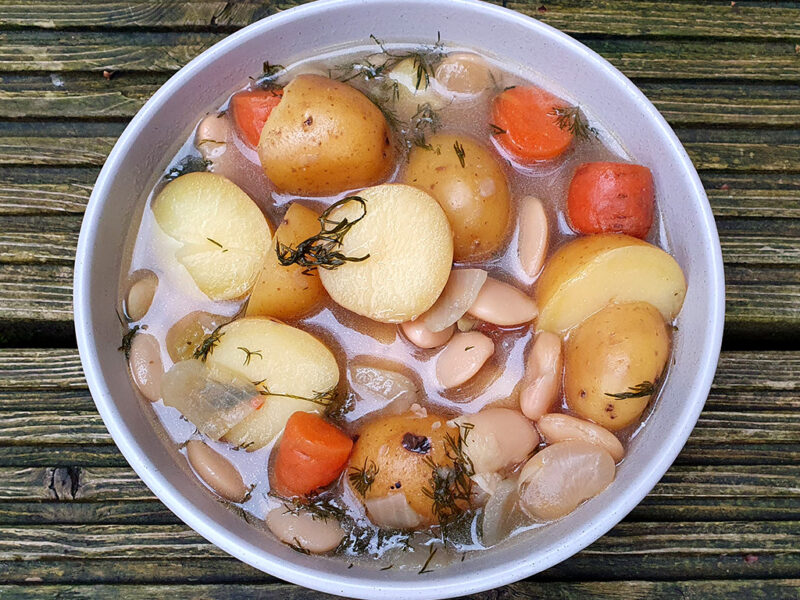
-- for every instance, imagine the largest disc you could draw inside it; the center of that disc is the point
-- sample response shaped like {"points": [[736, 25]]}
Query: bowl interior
{"points": [[154, 135]]}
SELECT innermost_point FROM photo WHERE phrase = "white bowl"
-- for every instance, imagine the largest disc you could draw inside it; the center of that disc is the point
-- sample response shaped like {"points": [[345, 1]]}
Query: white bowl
{"points": [[158, 129]]}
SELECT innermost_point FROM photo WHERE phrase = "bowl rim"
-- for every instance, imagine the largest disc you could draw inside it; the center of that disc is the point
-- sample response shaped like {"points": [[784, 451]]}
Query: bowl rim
{"points": [[433, 587]]}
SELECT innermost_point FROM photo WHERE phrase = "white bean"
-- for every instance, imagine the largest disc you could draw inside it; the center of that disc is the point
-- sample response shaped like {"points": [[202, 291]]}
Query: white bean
{"points": [[463, 73], [503, 304], [212, 133], [147, 370], [462, 358], [216, 470], [554, 482], [499, 438], [542, 376], [304, 531], [421, 336], [533, 235], [140, 295], [558, 427]]}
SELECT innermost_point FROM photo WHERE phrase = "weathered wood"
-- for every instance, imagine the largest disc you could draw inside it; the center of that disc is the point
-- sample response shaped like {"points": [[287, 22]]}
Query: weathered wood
{"points": [[43, 456], [573, 16], [35, 368], [635, 549], [26, 51], [136, 513], [34, 428]]}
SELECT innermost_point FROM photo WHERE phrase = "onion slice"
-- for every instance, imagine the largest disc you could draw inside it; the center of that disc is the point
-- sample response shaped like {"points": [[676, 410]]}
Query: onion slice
{"points": [[458, 295], [393, 511], [380, 389], [497, 511]]}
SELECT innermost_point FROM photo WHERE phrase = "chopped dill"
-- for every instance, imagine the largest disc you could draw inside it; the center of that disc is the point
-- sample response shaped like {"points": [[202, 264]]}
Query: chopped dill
{"points": [[320, 250], [248, 354], [425, 568], [362, 479], [216, 243], [572, 119], [321, 508], [298, 547], [460, 153], [425, 120], [646, 388], [468, 348], [268, 80], [497, 130], [386, 568], [189, 164], [207, 347], [340, 406], [127, 340]]}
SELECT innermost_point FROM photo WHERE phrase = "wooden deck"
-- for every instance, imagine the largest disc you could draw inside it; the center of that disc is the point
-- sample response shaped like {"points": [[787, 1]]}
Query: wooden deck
{"points": [[75, 521]]}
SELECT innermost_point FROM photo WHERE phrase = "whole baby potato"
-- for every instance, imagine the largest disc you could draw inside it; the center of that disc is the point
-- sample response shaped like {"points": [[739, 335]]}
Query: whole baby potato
{"points": [[612, 361], [325, 137], [474, 195], [392, 456]]}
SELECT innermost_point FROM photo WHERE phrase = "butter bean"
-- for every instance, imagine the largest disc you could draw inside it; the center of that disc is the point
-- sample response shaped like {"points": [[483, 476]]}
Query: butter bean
{"points": [[216, 470], [542, 378], [212, 133], [499, 438], [301, 529], [462, 358], [147, 370], [503, 304], [533, 235], [557, 427], [421, 336], [140, 294]]}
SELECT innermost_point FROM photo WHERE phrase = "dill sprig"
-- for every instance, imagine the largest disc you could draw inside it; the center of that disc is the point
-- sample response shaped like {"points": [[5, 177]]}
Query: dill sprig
{"points": [[127, 340], [450, 485], [216, 243], [268, 80], [496, 129], [460, 153], [573, 120], [340, 406], [320, 251], [188, 164], [646, 388], [321, 508], [297, 546], [322, 398], [425, 568], [209, 343], [425, 120], [249, 354], [362, 479], [425, 60]]}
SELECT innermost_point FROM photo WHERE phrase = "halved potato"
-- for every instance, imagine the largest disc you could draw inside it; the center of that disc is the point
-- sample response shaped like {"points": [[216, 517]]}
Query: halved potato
{"points": [[590, 272], [410, 248], [324, 138], [224, 234], [414, 88], [278, 358], [287, 292]]}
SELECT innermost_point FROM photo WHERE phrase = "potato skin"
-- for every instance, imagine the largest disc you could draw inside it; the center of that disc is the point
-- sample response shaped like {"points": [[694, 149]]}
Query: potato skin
{"points": [[474, 197], [325, 137], [286, 292], [611, 352], [381, 441]]}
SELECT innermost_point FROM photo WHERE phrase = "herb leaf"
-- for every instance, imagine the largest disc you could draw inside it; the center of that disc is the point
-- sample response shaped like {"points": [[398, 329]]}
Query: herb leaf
{"points": [[460, 153], [496, 130], [127, 340], [268, 79], [322, 398], [646, 388], [362, 479], [248, 355], [188, 164], [425, 568], [208, 345], [572, 119], [319, 251]]}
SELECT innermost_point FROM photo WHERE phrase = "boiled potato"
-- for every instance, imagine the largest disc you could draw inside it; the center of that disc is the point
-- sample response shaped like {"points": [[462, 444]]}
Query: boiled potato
{"points": [[225, 236], [278, 358], [620, 350], [590, 272], [474, 196], [410, 248], [414, 88], [287, 292], [391, 456], [323, 138]]}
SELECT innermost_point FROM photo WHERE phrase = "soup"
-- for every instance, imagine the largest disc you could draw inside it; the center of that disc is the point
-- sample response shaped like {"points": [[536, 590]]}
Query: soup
{"points": [[399, 303]]}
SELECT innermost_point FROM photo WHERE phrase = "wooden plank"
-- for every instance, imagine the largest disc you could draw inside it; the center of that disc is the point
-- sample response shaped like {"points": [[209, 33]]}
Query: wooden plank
{"points": [[634, 549], [40, 369], [573, 16], [753, 195], [43, 456], [133, 512], [27, 51], [684, 104], [52, 427], [540, 590]]}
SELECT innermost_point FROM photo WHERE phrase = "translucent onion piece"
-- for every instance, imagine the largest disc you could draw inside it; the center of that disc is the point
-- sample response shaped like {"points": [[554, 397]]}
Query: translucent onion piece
{"points": [[393, 512], [497, 511], [380, 389], [213, 401], [458, 295]]}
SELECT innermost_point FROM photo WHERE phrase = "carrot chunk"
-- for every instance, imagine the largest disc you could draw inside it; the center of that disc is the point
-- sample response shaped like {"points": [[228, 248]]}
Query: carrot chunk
{"points": [[311, 455], [527, 124], [607, 197], [251, 110]]}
